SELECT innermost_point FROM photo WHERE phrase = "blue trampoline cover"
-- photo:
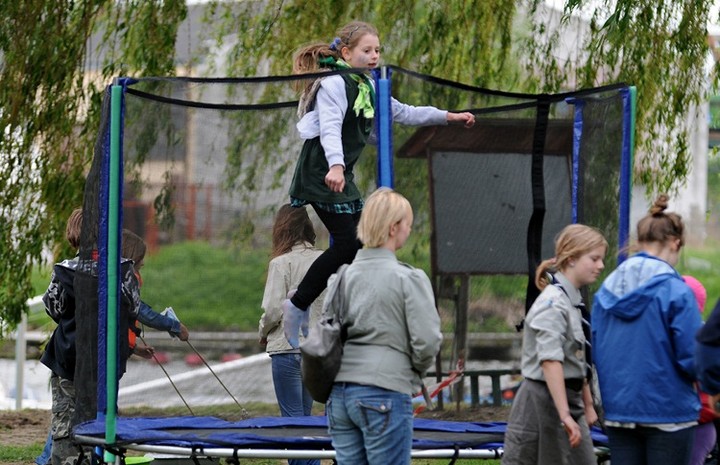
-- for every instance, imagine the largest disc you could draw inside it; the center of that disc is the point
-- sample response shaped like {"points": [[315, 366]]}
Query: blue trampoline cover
{"points": [[290, 433]]}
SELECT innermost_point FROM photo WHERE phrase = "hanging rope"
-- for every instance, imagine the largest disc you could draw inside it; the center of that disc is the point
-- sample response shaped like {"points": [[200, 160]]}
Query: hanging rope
{"points": [[169, 378], [244, 412]]}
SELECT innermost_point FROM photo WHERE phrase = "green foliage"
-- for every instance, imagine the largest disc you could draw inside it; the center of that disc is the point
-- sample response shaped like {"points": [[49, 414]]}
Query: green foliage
{"points": [[50, 91], [39, 319], [208, 287], [40, 279], [49, 113], [268, 33], [714, 116], [502, 287], [658, 46], [665, 59], [704, 265], [39, 95]]}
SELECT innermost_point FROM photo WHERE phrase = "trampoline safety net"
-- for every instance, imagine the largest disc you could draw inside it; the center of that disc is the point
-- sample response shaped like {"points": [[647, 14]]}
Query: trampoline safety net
{"points": [[210, 161]]}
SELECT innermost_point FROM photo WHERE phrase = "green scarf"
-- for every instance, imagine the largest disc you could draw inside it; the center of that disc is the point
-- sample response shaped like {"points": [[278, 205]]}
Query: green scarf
{"points": [[366, 94]]}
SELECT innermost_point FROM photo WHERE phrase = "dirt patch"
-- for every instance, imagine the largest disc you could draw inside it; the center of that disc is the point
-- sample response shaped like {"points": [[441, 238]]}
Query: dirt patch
{"points": [[24, 428], [476, 414]]}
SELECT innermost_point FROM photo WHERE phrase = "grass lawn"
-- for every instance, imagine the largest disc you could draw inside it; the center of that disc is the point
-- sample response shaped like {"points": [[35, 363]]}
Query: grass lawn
{"points": [[703, 264], [20, 454]]}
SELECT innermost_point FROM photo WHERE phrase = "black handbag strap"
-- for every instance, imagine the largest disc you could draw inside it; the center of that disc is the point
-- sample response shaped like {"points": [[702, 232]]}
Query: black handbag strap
{"points": [[338, 302], [339, 295]]}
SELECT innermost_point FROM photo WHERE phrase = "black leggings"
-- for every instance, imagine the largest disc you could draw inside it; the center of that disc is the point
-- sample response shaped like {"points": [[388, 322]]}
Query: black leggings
{"points": [[344, 244]]}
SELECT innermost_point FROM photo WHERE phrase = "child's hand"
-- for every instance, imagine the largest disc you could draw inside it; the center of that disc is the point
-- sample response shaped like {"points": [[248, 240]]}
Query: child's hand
{"points": [[184, 333], [591, 415], [573, 431], [335, 178], [145, 352], [466, 118]]}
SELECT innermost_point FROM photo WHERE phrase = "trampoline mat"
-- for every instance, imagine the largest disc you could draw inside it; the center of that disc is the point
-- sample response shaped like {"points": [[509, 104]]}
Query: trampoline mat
{"points": [[306, 433]]}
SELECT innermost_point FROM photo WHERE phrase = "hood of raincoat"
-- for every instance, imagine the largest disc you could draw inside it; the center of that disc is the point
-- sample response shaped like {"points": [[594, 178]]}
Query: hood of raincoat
{"points": [[626, 291]]}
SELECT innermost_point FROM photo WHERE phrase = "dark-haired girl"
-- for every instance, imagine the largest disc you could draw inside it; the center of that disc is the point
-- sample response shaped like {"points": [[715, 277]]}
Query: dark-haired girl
{"points": [[293, 251]]}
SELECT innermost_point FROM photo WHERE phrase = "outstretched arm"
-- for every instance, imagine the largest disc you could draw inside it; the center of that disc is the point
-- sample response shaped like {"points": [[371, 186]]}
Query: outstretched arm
{"points": [[467, 119], [427, 116], [155, 320]]}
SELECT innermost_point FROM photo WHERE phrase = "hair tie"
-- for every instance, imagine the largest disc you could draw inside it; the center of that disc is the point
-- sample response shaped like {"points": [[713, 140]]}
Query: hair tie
{"points": [[334, 44]]}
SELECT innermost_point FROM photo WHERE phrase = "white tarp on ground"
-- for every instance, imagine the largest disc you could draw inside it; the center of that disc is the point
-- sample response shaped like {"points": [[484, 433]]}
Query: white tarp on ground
{"points": [[36, 378], [248, 379]]}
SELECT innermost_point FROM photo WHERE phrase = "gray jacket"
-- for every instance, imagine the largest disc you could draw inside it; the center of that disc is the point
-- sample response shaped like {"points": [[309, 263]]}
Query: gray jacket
{"points": [[392, 324], [553, 331], [284, 274]]}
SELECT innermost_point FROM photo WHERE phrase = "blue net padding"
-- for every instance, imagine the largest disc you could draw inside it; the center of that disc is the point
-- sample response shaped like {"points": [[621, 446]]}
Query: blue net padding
{"points": [[290, 433]]}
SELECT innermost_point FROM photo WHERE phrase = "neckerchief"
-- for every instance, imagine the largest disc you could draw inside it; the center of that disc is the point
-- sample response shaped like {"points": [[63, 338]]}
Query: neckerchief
{"points": [[586, 328], [366, 94]]}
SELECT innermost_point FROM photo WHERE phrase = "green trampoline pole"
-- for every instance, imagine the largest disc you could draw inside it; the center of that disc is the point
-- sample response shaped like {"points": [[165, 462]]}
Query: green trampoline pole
{"points": [[112, 271]]}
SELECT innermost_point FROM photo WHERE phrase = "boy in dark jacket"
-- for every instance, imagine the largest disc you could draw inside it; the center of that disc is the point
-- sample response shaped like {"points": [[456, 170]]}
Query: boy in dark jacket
{"points": [[60, 354]]}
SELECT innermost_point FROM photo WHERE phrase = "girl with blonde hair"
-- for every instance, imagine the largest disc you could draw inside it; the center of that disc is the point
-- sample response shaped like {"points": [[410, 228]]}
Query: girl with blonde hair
{"points": [[336, 123], [553, 410]]}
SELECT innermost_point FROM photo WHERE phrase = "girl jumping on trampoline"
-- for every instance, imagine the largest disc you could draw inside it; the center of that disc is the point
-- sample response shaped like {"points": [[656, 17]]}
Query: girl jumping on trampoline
{"points": [[550, 417], [336, 122]]}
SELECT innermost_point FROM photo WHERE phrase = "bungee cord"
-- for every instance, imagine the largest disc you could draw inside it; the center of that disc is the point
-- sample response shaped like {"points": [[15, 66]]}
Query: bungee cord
{"points": [[167, 375], [243, 412]]}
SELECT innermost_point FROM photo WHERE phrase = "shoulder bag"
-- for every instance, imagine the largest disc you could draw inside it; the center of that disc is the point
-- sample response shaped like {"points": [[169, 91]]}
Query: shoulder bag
{"points": [[323, 348]]}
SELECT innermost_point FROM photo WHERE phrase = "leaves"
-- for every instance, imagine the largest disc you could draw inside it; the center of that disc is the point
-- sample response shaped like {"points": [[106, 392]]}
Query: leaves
{"points": [[49, 101], [51, 81], [658, 46]]}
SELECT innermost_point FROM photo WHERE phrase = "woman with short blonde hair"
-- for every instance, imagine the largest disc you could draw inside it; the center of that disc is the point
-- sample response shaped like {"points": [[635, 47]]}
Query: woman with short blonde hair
{"points": [[393, 336], [388, 208]]}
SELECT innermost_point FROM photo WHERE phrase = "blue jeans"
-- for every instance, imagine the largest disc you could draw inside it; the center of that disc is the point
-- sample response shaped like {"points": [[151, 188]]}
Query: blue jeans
{"points": [[650, 446], [294, 400], [44, 457], [370, 425]]}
